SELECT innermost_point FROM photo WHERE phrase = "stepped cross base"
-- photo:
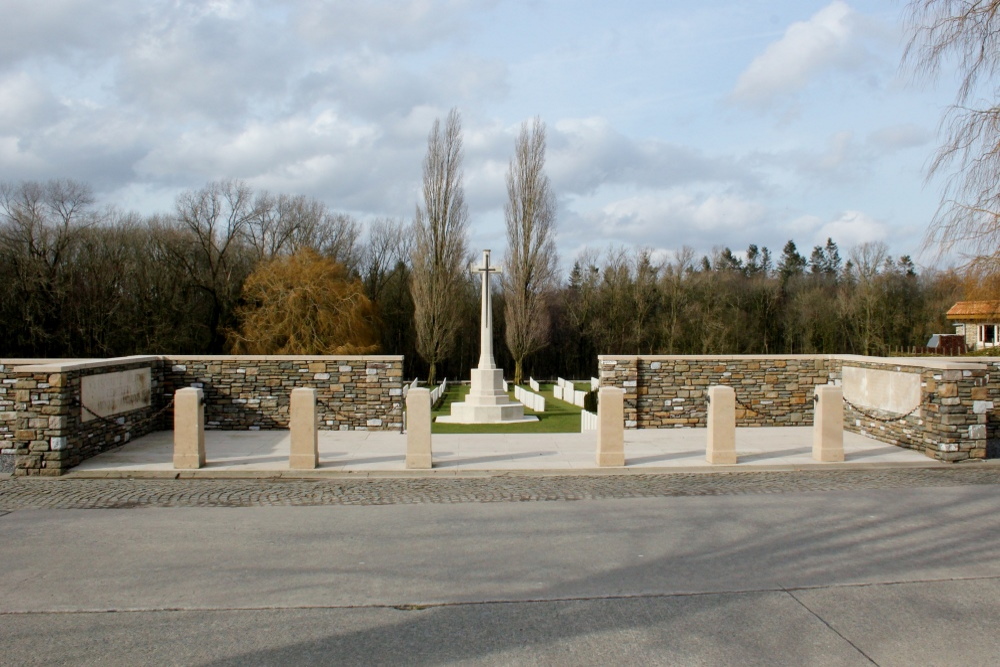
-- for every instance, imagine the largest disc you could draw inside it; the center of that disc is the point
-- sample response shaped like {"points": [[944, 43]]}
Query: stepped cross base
{"points": [[487, 402]]}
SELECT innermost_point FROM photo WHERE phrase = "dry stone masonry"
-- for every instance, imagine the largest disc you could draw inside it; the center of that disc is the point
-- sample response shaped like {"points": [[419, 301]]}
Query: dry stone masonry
{"points": [[54, 430], [669, 391], [49, 423], [253, 393], [952, 416], [946, 408]]}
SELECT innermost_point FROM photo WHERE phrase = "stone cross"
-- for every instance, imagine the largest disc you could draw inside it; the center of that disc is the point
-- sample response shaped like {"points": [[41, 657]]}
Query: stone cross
{"points": [[486, 333]]}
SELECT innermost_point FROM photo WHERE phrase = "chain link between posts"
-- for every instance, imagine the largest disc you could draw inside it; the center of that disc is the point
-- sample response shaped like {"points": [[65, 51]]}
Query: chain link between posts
{"points": [[881, 420], [865, 413], [745, 406], [115, 423]]}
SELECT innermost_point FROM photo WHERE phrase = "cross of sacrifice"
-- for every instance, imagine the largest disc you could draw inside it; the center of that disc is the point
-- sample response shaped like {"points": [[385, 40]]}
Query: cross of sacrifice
{"points": [[486, 269], [486, 333]]}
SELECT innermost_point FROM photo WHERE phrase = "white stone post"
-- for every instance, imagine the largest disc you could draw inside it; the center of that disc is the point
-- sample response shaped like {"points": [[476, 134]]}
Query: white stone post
{"points": [[828, 424], [303, 423], [189, 429], [611, 427], [418, 430], [721, 425]]}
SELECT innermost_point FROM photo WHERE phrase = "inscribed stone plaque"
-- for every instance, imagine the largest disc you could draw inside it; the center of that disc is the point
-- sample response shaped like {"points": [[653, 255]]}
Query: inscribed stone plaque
{"points": [[113, 393], [893, 391]]}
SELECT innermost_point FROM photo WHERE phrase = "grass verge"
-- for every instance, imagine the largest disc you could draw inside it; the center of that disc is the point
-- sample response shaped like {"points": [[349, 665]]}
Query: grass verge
{"points": [[559, 416]]}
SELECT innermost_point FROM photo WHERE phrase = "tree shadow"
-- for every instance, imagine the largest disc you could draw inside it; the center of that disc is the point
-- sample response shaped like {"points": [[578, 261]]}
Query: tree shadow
{"points": [[721, 564]]}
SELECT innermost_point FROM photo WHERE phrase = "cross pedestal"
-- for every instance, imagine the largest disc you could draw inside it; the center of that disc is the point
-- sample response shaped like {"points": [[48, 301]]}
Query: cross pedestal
{"points": [[487, 402]]}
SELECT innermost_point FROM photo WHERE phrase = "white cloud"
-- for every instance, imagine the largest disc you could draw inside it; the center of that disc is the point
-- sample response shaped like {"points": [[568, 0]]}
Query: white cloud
{"points": [[900, 137], [193, 62], [841, 159], [807, 48], [390, 26], [25, 103], [669, 220], [335, 100], [585, 154], [849, 229], [66, 30]]}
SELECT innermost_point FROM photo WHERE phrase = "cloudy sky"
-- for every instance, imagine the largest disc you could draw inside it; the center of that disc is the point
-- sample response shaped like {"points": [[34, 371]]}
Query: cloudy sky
{"points": [[670, 123]]}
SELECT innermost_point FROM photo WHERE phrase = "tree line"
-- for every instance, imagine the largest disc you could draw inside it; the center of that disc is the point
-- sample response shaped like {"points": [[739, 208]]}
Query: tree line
{"points": [[237, 270]]}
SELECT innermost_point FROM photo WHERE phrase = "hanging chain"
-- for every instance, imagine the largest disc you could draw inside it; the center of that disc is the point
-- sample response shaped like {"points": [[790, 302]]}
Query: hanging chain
{"points": [[865, 413], [745, 406], [114, 422], [876, 418]]}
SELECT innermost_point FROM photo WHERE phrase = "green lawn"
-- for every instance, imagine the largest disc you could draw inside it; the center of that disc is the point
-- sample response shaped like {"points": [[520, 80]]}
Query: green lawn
{"points": [[559, 416]]}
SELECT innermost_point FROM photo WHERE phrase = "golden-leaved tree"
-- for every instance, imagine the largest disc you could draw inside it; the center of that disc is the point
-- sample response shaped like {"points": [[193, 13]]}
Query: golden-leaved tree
{"points": [[304, 303]]}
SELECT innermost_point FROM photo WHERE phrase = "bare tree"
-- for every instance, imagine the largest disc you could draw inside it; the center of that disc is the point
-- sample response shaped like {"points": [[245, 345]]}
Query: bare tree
{"points": [[388, 248], [967, 33], [646, 297], [40, 223], [208, 244], [440, 251], [676, 293], [863, 302], [530, 263], [284, 224]]}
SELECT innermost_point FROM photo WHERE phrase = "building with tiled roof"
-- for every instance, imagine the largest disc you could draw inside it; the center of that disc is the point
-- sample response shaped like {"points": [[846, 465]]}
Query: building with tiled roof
{"points": [[978, 321]]}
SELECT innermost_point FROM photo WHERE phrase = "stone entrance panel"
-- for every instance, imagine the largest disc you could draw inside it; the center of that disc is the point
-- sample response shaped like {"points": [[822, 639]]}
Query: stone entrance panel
{"points": [[894, 391], [113, 393]]}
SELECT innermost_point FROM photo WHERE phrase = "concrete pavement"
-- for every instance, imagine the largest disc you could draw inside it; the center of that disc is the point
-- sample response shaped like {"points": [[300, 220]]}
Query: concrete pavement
{"points": [[890, 576], [363, 452]]}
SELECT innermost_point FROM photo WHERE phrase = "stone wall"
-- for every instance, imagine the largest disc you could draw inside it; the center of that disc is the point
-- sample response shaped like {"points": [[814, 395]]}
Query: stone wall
{"points": [[51, 433], [669, 391], [952, 418], [953, 415], [8, 416], [253, 392], [45, 428]]}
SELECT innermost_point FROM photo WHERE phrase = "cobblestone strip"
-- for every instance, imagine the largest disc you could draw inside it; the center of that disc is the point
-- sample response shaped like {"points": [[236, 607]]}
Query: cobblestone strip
{"points": [[20, 493]]}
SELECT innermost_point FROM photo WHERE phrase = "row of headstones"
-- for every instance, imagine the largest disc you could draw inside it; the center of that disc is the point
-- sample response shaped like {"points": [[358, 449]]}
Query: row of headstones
{"points": [[535, 386], [438, 391], [565, 390], [530, 399]]}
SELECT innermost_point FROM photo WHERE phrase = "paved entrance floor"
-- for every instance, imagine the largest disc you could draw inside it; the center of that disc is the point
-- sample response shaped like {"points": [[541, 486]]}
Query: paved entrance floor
{"points": [[378, 452]]}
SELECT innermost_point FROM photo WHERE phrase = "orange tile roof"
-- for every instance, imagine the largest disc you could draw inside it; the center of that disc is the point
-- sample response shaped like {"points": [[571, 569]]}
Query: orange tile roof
{"points": [[974, 310]]}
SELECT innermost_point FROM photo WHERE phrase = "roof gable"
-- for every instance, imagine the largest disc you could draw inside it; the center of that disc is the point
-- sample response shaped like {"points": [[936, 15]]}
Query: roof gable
{"points": [[971, 311]]}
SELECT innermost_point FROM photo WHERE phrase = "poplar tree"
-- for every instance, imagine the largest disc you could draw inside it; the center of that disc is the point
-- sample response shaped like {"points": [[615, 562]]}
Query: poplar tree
{"points": [[440, 246], [530, 265]]}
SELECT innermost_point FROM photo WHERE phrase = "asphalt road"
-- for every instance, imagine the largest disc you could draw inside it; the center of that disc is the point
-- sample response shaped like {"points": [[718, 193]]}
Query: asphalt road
{"points": [[891, 576]]}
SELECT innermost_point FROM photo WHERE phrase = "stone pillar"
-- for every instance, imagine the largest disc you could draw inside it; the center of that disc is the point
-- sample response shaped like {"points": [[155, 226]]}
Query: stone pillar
{"points": [[189, 429], [418, 430], [611, 427], [303, 452], [828, 423], [721, 425]]}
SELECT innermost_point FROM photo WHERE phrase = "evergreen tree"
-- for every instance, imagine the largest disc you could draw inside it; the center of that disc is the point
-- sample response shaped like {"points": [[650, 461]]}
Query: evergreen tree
{"points": [[791, 262]]}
